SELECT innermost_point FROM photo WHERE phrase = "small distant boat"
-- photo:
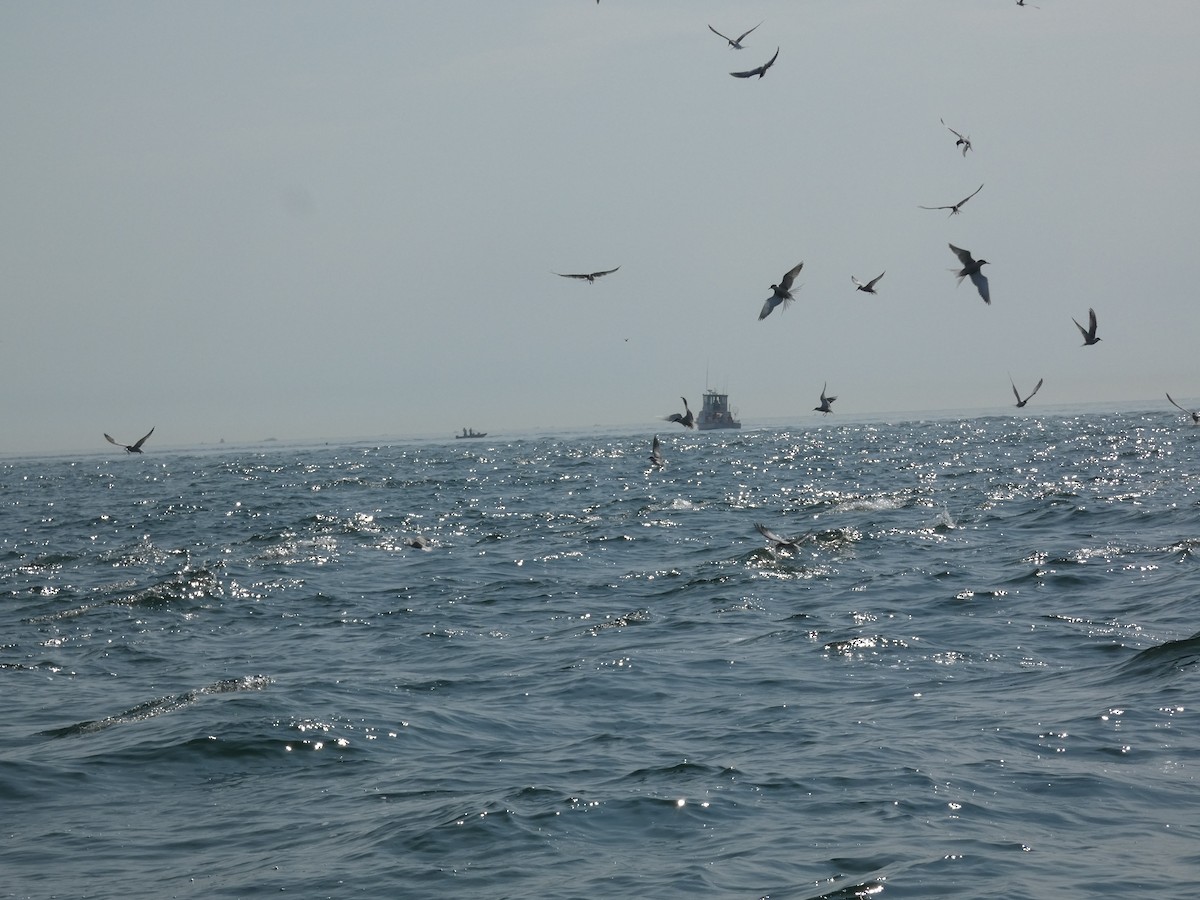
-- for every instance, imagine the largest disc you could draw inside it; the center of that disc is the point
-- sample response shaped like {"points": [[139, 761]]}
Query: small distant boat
{"points": [[716, 413], [471, 433]]}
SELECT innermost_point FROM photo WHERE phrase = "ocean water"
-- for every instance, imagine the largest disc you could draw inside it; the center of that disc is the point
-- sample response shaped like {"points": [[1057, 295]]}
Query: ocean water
{"points": [[228, 674]]}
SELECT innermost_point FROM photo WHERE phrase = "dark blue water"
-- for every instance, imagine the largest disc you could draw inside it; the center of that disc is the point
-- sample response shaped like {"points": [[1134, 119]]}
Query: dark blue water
{"points": [[228, 674]]}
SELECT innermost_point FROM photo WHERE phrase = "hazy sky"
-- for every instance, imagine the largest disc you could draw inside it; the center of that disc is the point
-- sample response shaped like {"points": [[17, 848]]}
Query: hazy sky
{"points": [[321, 220]]}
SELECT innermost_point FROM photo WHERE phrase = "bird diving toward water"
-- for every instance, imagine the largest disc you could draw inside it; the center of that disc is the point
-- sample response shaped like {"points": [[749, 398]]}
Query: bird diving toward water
{"points": [[778, 541], [1191, 412], [955, 207], [686, 419], [760, 71], [869, 287], [1020, 403], [971, 269], [589, 277], [825, 401], [782, 292], [963, 141], [1089, 333], [735, 43], [131, 448], [655, 455]]}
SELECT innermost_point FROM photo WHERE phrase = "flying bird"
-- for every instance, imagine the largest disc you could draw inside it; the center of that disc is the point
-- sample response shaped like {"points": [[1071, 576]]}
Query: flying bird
{"points": [[760, 71], [955, 207], [656, 456], [779, 541], [589, 277], [963, 141], [1019, 3], [1089, 333], [686, 419], [1191, 412], [1020, 403], [131, 448], [735, 43], [782, 292], [869, 287], [825, 401], [971, 269]]}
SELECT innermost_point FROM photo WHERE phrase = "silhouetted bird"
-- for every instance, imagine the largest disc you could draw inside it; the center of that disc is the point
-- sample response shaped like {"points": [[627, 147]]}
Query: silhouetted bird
{"points": [[778, 541], [1019, 3], [782, 292], [1089, 333], [825, 401], [955, 207], [735, 43], [686, 420], [589, 277], [1020, 403], [760, 71], [1191, 412], [963, 141], [655, 454], [131, 448], [970, 270], [869, 287]]}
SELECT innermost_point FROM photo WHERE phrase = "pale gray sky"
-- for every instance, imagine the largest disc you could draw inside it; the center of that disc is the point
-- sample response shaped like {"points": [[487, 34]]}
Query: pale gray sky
{"points": [[320, 220]]}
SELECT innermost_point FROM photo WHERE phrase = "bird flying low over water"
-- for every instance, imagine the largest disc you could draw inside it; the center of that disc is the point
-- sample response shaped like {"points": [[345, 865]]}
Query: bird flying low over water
{"points": [[955, 207], [1089, 333], [869, 287], [963, 141], [782, 292], [589, 277], [686, 419], [735, 43], [971, 269], [131, 448], [1020, 403], [655, 455], [760, 71], [825, 401], [1191, 412], [779, 541]]}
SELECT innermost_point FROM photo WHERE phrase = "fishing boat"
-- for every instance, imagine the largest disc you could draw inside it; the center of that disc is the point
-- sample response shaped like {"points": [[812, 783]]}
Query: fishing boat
{"points": [[470, 433], [716, 413]]}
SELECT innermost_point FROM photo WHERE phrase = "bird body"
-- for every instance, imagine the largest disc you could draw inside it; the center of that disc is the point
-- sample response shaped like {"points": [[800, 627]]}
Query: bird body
{"points": [[825, 401], [685, 419], [589, 277], [1020, 403], [131, 448], [1089, 333], [781, 293], [971, 269], [955, 207], [869, 287], [1195, 414], [735, 43], [760, 71]]}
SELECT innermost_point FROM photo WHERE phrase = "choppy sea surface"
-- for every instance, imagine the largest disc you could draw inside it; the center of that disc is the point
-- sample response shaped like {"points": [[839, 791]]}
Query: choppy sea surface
{"points": [[228, 673]]}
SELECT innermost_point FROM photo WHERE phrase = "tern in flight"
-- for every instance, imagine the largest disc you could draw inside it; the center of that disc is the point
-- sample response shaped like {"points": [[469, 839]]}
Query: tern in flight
{"points": [[963, 141], [760, 71], [825, 401], [1191, 412], [779, 541], [735, 43], [869, 287], [1020, 403], [589, 277], [686, 419], [971, 269], [131, 448], [955, 207], [1089, 333], [1019, 3], [655, 455], [782, 292]]}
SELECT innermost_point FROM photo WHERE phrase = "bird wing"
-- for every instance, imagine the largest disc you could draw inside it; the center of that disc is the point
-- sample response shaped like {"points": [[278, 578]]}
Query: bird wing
{"points": [[562, 275], [785, 283], [872, 282], [981, 284], [770, 62], [718, 34], [1037, 387], [142, 439], [768, 533], [1016, 393], [969, 196], [1173, 403], [768, 305], [749, 74], [934, 207], [598, 274], [856, 282], [1091, 323], [743, 35], [964, 256], [119, 444], [952, 131]]}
